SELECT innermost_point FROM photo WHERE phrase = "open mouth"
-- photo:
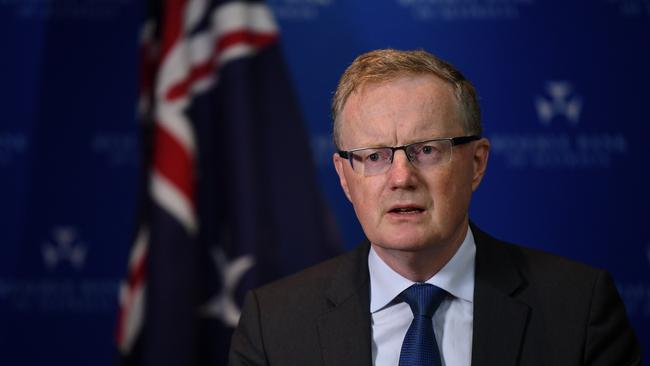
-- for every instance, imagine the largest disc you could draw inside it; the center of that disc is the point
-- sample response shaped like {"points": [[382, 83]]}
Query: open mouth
{"points": [[406, 210]]}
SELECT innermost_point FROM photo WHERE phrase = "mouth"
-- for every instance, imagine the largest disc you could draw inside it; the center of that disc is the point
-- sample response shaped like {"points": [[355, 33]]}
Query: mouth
{"points": [[405, 210]]}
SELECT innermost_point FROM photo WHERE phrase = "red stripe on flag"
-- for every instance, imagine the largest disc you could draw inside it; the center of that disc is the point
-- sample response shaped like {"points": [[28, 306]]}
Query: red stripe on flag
{"points": [[180, 89], [135, 282], [174, 162], [245, 36], [121, 323], [200, 71], [173, 24], [138, 271]]}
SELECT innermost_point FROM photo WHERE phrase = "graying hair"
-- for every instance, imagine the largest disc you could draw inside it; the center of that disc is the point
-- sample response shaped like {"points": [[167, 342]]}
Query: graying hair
{"points": [[389, 64]]}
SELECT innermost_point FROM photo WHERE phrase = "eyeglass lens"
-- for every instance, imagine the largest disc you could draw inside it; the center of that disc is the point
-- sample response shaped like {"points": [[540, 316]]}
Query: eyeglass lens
{"points": [[422, 154]]}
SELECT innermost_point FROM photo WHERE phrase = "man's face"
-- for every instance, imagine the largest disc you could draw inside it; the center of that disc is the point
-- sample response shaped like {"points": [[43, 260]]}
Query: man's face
{"points": [[406, 208]]}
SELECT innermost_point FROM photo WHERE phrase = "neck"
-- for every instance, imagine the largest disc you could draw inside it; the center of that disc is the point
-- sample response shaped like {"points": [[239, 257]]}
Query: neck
{"points": [[420, 265]]}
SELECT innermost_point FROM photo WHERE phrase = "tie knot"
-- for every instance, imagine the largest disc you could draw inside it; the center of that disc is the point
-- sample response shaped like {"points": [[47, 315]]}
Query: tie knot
{"points": [[423, 298]]}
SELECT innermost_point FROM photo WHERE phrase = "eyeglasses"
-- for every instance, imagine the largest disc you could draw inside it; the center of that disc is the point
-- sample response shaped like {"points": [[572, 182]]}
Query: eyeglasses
{"points": [[423, 154]]}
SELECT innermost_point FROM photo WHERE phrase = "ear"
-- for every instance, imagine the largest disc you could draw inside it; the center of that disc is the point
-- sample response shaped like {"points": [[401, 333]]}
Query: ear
{"points": [[338, 165], [480, 160]]}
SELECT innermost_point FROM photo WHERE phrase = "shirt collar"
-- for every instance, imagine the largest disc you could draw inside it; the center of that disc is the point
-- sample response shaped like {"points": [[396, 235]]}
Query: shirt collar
{"points": [[456, 277]]}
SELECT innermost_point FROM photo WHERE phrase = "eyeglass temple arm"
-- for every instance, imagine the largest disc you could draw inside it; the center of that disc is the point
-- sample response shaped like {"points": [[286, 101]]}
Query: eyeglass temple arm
{"points": [[464, 139]]}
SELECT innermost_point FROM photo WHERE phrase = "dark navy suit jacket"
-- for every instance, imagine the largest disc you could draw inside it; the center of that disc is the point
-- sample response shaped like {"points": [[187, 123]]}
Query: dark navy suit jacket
{"points": [[530, 308]]}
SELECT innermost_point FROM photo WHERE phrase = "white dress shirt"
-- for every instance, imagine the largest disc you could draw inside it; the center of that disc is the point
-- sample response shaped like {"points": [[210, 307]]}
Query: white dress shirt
{"points": [[452, 322]]}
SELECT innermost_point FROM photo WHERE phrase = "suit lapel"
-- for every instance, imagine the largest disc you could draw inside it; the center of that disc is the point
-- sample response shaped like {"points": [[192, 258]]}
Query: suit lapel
{"points": [[344, 330], [499, 318]]}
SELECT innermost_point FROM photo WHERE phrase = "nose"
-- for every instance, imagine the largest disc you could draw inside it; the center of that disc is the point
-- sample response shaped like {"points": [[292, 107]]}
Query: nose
{"points": [[402, 174]]}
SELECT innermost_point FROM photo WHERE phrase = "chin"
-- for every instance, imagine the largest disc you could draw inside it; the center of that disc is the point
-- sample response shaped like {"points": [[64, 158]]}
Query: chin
{"points": [[404, 242]]}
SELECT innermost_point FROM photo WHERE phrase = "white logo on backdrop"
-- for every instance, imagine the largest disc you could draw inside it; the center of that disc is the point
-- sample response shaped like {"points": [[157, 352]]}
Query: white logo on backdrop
{"points": [[116, 148], [426, 10], [64, 246], [298, 9], [61, 292], [562, 102], [561, 105], [632, 8], [78, 9]]}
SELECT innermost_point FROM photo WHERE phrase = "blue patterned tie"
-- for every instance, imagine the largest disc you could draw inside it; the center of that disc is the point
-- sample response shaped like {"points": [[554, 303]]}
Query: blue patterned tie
{"points": [[419, 347]]}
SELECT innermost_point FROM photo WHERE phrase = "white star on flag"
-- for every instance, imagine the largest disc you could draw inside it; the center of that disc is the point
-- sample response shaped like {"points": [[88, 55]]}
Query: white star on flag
{"points": [[222, 305]]}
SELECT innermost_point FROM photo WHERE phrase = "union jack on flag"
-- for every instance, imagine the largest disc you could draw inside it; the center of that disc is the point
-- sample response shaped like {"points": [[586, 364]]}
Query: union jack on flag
{"points": [[229, 197]]}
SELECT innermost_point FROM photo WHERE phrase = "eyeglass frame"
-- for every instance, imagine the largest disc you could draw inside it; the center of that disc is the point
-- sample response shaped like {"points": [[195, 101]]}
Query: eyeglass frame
{"points": [[455, 141]]}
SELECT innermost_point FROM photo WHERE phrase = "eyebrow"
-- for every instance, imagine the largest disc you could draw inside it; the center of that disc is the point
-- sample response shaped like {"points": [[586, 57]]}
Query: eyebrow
{"points": [[391, 146]]}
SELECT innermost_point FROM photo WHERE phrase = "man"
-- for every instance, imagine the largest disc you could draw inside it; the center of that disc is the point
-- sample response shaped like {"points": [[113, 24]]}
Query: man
{"points": [[428, 287]]}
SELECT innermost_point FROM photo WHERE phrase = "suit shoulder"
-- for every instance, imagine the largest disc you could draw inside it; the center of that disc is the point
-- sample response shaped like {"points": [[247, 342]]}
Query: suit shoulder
{"points": [[554, 272], [547, 264], [535, 265], [566, 300]]}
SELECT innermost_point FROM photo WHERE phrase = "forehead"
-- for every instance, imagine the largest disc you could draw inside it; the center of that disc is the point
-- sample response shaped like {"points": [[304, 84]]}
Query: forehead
{"points": [[399, 111]]}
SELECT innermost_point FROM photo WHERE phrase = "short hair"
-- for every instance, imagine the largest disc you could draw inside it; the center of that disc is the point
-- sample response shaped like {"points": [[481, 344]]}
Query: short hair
{"points": [[389, 64]]}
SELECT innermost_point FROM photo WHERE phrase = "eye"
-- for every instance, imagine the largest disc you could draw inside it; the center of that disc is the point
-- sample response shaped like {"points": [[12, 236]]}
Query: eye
{"points": [[429, 150], [426, 151], [373, 157]]}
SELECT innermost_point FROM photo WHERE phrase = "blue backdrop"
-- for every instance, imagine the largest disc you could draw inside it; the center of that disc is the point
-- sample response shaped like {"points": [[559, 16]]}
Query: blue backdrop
{"points": [[564, 88]]}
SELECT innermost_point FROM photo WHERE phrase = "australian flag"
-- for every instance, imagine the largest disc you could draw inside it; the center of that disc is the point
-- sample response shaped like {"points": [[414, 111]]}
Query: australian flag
{"points": [[230, 199]]}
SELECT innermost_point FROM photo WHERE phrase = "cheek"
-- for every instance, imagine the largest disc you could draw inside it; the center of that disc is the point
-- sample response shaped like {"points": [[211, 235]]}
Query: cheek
{"points": [[365, 194], [450, 191], [443, 193]]}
